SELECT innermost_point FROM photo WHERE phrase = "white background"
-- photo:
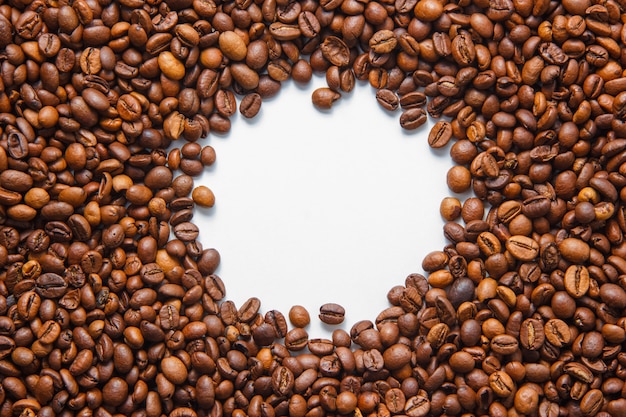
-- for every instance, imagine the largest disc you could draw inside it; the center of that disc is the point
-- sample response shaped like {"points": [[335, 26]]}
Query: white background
{"points": [[315, 207]]}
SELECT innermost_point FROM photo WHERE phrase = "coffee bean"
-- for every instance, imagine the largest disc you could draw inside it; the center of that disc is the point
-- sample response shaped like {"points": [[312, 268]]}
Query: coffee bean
{"points": [[383, 42], [296, 339], [332, 313], [174, 369], [284, 32], [115, 391], [501, 384], [591, 402], [611, 294], [299, 316], [186, 231], [282, 380], [387, 99], [250, 105], [320, 347], [335, 51], [396, 356], [417, 406], [440, 134], [504, 344], [323, 98], [531, 334], [557, 332], [576, 281], [412, 118], [522, 247], [203, 196], [427, 10]]}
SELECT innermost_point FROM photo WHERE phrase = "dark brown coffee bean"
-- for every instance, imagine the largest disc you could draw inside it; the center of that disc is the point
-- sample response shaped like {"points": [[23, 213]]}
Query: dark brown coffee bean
{"points": [[396, 356], [14, 180], [276, 319], [412, 99], [309, 24], [225, 103], [115, 391], [51, 285]]}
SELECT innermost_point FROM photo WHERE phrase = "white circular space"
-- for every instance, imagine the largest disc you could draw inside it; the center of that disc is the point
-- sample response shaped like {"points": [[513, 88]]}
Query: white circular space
{"points": [[322, 206]]}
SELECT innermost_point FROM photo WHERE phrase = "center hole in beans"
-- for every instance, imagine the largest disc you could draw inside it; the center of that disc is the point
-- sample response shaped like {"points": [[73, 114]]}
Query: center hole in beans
{"points": [[325, 207]]}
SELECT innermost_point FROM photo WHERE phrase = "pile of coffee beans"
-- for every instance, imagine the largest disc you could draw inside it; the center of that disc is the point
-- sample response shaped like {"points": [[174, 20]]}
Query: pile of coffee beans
{"points": [[110, 305]]}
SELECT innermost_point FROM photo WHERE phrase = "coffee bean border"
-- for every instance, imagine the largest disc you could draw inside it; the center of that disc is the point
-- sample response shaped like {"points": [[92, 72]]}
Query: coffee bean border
{"points": [[102, 313]]}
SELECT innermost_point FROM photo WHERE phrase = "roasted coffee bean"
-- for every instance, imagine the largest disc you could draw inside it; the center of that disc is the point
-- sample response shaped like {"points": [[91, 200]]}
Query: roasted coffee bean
{"points": [[387, 99], [186, 231], [412, 118], [299, 316], [592, 402], [282, 380], [504, 344], [576, 281], [522, 248], [323, 98], [203, 196], [332, 313], [250, 105], [276, 319], [501, 383], [296, 339], [51, 285], [440, 134], [417, 406], [531, 334], [557, 332], [335, 51]]}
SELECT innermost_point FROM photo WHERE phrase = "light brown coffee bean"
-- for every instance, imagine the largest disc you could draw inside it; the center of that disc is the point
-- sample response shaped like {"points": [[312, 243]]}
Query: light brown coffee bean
{"points": [[203, 196], [299, 316], [323, 98], [557, 332], [522, 247], [501, 384], [576, 280]]}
